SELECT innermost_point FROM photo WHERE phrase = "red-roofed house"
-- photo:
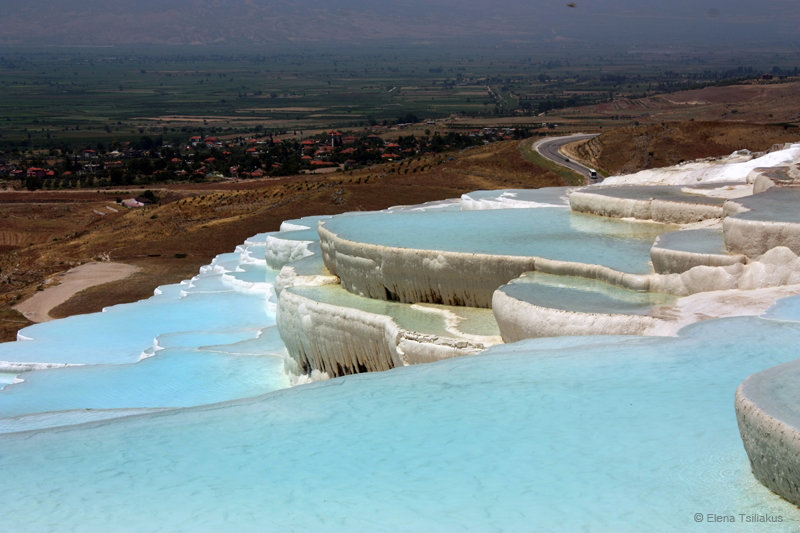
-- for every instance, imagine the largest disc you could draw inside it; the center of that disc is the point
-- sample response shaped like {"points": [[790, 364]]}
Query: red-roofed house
{"points": [[36, 172]]}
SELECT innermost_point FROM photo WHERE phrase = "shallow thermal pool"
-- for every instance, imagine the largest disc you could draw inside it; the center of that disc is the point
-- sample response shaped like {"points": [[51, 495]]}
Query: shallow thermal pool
{"points": [[649, 192], [701, 241], [571, 434], [583, 295], [433, 319], [516, 198], [777, 204], [549, 232], [205, 340], [561, 434]]}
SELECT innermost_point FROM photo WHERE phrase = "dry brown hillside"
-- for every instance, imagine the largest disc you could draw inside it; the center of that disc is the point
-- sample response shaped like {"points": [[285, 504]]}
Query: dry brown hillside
{"points": [[51, 231], [754, 102], [634, 148]]}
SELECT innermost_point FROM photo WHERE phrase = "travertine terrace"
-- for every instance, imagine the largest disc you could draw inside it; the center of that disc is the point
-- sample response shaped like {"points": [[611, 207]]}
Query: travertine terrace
{"points": [[357, 301]]}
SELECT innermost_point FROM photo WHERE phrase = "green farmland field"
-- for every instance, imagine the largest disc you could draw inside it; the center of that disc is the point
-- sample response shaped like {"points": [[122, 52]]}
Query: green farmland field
{"points": [[51, 97]]}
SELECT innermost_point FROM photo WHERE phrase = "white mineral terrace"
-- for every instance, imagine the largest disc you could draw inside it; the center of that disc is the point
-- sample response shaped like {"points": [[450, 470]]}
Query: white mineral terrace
{"points": [[763, 221], [481, 250], [670, 205], [288, 246], [679, 251], [406, 286], [741, 167], [543, 305], [353, 334], [769, 422]]}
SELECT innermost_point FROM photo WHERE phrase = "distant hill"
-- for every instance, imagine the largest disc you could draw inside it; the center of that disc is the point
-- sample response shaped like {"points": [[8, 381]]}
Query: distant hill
{"points": [[758, 102], [285, 22]]}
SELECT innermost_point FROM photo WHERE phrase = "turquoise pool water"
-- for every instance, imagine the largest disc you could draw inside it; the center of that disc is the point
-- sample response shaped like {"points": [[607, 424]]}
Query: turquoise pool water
{"points": [[424, 318], [497, 199], [593, 434], [777, 204], [583, 295], [205, 340], [204, 433], [786, 309], [648, 192], [702, 241], [549, 232]]}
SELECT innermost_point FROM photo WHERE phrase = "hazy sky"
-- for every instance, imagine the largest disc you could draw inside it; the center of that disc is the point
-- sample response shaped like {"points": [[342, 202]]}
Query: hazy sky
{"points": [[273, 21]]}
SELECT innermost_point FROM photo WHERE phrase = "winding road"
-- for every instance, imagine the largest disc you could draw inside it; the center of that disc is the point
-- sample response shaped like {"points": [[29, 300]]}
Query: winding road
{"points": [[550, 148]]}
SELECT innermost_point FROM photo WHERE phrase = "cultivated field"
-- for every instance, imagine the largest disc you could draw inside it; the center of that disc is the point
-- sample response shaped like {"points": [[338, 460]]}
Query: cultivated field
{"points": [[56, 97]]}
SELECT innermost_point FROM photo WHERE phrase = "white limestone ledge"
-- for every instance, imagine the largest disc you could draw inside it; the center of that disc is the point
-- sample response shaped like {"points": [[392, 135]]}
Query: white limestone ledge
{"points": [[458, 278], [763, 221], [515, 198], [341, 340], [543, 305], [520, 320], [668, 261], [769, 424], [660, 204], [283, 247], [308, 271], [778, 267], [451, 278], [755, 237], [680, 251], [410, 276], [454, 278], [764, 178]]}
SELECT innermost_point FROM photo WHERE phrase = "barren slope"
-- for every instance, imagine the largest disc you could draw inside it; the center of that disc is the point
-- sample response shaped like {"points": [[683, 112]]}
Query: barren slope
{"points": [[755, 102], [196, 222], [633, 148]]}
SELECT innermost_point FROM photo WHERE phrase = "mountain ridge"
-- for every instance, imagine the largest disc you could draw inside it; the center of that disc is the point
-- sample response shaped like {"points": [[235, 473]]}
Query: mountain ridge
{"points": [[182, 22]]}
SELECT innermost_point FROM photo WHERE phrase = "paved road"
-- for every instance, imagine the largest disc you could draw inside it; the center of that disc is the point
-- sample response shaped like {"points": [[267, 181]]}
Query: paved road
{"points": [[550, 148]]}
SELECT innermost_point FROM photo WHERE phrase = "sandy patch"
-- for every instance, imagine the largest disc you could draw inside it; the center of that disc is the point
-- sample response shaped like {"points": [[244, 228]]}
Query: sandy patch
{"points": [[37, 307]]}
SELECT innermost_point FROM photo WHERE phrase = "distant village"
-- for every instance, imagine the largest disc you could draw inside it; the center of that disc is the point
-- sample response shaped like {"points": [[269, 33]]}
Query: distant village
{"points": [[200, 158]]}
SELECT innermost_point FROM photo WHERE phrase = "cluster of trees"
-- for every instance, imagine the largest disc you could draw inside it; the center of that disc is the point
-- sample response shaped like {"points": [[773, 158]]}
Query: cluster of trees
{"points": [[148, 160]]}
